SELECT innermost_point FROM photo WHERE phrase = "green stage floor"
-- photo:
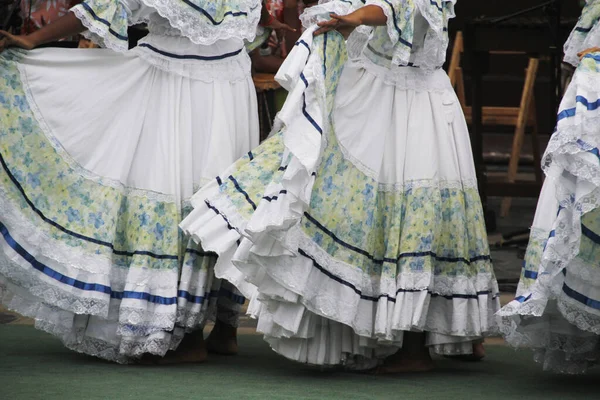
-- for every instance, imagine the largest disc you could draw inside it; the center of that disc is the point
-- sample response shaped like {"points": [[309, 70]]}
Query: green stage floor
{"points": [[34, 365]]}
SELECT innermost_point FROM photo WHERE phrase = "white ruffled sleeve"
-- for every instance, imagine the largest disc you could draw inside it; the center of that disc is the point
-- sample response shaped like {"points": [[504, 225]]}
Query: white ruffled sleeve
{"points": [[399, 27], [107, 21], [586, 33], [207, 21], [437, 13], [400, 30], [202, 21]]}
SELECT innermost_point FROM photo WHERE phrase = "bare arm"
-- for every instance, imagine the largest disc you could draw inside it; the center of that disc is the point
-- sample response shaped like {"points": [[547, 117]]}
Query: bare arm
{"points": [[587, 51], [368, 15], [371, 15], [66, 25], [264, 14]]}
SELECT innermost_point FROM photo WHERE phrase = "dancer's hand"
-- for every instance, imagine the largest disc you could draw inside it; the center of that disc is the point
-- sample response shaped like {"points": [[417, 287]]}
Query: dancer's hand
{"points": [[369, 15], [273, 42], [278, 26], [587, 51], [10, 40], [344, 24]]}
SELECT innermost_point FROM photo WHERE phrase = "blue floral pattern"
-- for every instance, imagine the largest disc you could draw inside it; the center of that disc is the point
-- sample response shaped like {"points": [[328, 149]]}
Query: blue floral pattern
{"points": [[97, 218], [426, 228], [422, 229], [252, 175], [433, 228], [533, 258], [107, 243]]}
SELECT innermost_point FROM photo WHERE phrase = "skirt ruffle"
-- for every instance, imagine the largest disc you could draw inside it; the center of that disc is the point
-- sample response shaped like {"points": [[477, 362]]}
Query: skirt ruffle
{"points": [[342, 249], [556, 311], [89, 239]]}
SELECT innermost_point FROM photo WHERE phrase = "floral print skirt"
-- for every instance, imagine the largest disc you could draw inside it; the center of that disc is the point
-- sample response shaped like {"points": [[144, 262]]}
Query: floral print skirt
{"points": [[99, 155], [359, 219], [557, 308]]}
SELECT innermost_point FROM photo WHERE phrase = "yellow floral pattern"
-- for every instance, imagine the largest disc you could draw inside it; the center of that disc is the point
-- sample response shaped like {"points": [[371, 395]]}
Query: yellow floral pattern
{"points": [[70, 208], [417, 228], [589, 247], [435, 227], [533, 258]]}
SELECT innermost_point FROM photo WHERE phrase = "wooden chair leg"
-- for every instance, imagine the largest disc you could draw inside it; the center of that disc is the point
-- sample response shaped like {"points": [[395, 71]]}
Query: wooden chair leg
{"points": [[269, 119], [455, 58], [535, 143], [460, 88], [266, 125], [261, 115], [522, 119]]}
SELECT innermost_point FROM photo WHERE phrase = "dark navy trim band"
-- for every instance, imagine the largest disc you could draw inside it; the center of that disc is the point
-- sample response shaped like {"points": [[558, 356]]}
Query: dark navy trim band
{"points": [[272, 198], [201, 253], [239, 299], [587, 232], [325, 54], [433, 3], [591, 106], [387, 296], [103, 21], [570, 112], [354, 248], [306, 114], [242, 191], [394, 260], [594, 56], [302, 42], [523, 299], [191, 56], [530, 274], [550, 236], [210, 18], [196, 299], [91, 287], [77, 235], [585, 146], [379, 54], [216, 210], [583, 299], [565, 114], [304, 79], [404, 42]]}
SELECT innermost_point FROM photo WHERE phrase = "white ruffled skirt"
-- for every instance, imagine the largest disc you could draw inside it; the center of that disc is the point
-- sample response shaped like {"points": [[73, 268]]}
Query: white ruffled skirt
{"points": [[351, 226], [557, 308], [100, 154]]}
